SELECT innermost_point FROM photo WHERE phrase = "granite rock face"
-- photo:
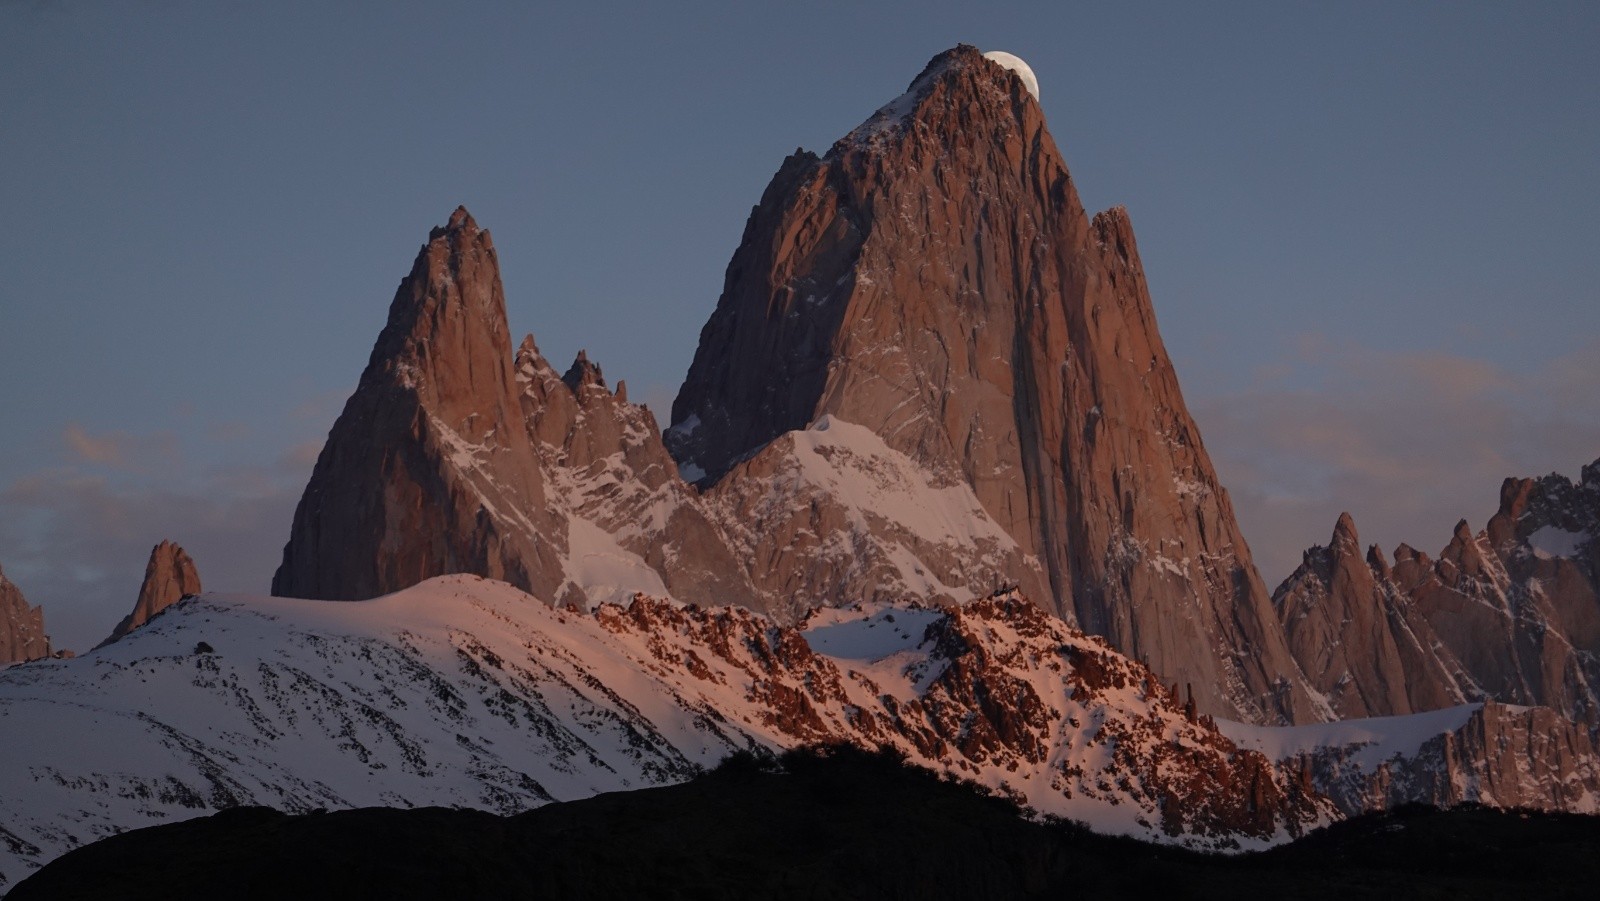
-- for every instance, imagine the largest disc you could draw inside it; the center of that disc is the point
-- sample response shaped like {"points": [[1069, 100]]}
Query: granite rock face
{"points": [[428, 470], [22, 634], [930, 374], [935, 280], [635, 524], [169, 577], [1358, 638], [1510, 614], [1501, 756]]}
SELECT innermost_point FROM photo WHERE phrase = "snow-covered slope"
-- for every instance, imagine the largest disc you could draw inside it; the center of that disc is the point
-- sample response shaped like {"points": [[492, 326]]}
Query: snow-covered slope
{"points": [[833, 512], [463, 691]]}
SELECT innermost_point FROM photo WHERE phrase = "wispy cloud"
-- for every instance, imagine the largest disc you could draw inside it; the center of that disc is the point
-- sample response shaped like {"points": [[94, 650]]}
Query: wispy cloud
{"points": [[75, 538], [1409, 443], [122, 450], [102, 449]]}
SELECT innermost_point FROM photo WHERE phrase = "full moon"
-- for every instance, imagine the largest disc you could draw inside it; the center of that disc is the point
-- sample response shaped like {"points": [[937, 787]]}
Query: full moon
{"points": [[1016, 65]]}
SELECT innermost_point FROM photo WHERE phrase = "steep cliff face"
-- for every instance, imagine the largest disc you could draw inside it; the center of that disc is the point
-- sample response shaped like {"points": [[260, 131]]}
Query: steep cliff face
{"points": [[428, 470], [21, 626], [1357, 637], [1519, 603], [635, 525], [1510, 614], [1492, 754], [935, 280], [169, 577]]}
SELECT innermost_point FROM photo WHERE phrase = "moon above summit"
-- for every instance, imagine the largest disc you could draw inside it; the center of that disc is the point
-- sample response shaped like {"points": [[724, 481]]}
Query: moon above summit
{"points": [[1015, 64]]}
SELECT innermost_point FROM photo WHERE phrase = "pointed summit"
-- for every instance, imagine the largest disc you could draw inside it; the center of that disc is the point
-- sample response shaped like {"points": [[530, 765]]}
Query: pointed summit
{"points": [[1348, 631], [935, 279], [1508, 613], [943, 88], [428, 470], [460, 221], [1345, 538], [169, 577], [583, 374]]}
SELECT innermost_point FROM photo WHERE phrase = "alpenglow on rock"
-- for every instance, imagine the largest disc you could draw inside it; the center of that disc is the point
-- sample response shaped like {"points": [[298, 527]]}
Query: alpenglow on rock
{"points": [[935, 280], [428, 470], [21, 626], [1510, 614], [169, 577], [930, 374]]}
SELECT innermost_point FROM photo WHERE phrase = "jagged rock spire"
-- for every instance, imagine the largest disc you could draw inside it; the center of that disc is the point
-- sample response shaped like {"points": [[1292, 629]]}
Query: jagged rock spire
{"points": [[1511, 613], [1347, 628], [169, 577], [428, 471]]}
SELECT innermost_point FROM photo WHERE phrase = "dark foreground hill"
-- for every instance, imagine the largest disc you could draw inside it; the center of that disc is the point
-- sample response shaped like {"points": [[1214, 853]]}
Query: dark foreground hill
{"points": [[831, 824]]}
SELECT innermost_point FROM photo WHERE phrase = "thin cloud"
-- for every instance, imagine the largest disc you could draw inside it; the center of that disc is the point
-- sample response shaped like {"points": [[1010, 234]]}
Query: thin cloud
{"points": [[77, 541], [1407, 443], [120, 450], [103, 449]]}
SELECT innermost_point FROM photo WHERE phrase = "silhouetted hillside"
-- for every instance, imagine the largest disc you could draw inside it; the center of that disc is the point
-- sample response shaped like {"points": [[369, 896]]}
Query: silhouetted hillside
{"points": [[832, 823]]}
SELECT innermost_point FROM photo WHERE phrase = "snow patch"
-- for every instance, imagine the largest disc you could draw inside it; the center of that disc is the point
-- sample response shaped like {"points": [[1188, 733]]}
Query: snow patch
{"points": [[1380, 738], [686, 428], [867, 632], [1550, 542], [606, 571], [854, 465]]}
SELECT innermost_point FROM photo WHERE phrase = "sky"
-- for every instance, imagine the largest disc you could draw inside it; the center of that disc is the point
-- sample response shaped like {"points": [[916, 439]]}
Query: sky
{"points": [[1369, 231]]}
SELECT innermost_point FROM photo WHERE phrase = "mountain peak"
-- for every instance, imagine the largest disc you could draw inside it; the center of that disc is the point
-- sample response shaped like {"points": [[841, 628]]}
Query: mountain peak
{"points": [[527, 350], [169, 576], [447, 323], [1345, 537], [460, 222], [428, 469], [583, 373], [936, 281], [959, 90]]}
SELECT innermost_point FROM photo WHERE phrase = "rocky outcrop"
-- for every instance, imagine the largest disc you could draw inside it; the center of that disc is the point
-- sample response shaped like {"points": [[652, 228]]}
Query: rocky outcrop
{"points": [[1519, 603], [169, 577], [997, 691], [1510, 614], [1501, 756], [935, 280], [22, 635], [428, 469], [1358, 638], [634, 521]]}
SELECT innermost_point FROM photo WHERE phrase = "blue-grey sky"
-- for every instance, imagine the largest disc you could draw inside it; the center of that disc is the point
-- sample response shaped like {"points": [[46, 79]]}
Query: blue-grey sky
{"points": [[1369, 230]]}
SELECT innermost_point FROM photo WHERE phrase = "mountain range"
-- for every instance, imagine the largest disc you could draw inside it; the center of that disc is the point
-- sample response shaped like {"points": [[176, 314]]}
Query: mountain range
{"points": [[930, 484]]}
